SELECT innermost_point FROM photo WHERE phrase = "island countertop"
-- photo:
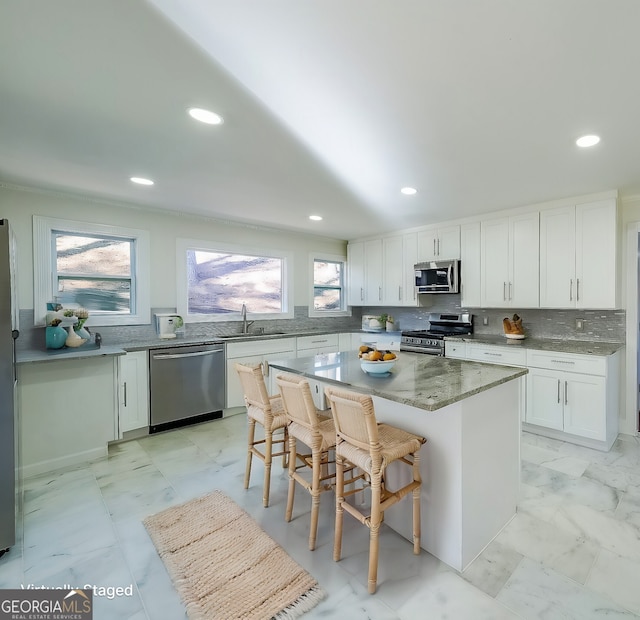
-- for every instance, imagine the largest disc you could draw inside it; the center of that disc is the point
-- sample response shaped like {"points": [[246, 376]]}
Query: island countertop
{"points": [[424, 381]]}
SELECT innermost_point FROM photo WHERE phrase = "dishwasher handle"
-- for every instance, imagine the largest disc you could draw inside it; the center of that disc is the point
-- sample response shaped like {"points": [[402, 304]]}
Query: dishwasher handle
{"points": [[174, 356]]}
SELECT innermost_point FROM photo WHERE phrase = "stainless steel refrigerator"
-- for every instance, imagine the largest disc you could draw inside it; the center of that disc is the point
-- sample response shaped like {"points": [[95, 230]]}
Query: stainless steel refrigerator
{"points": [[10, 483]]}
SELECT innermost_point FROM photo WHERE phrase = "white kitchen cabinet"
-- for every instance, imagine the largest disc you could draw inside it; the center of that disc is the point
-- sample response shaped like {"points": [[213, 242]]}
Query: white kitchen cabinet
{"points": [[578, 256], [573, 396], [496, 354], [510, 261], [133, 391], [470, 266], [373, 272], [410, 258], [393, 273], [253, 352], [355, 271], [442, 243], [456, 350], [314, 345]]}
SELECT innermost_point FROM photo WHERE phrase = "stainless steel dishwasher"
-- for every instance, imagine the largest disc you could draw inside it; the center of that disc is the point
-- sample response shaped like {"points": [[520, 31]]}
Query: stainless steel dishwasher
{"points": [[187, 385]]}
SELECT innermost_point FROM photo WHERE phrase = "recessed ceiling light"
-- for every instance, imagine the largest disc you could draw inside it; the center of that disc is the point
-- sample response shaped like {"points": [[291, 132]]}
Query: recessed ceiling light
{"points": [[588, 141], [315, 218], [141, 181], [205, 116], [409, 191]]}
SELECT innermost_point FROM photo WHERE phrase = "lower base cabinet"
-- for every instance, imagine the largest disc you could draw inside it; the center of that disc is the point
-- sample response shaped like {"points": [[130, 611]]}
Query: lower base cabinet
{"points": [[133, 391]]}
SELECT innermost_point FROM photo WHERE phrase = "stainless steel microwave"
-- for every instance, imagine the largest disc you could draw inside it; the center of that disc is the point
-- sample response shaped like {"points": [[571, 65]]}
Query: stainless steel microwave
{"points": [[442, 276]]}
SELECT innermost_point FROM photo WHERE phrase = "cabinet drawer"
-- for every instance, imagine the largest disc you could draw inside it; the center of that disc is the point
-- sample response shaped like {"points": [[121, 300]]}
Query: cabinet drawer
{"points": [[456, 350], [317, 342], [260, 347], [496, 355], [568, 362]]}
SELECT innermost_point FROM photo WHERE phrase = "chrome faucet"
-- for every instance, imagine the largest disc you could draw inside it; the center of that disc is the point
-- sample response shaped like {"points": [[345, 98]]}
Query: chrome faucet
{"points": [[245, 324]]}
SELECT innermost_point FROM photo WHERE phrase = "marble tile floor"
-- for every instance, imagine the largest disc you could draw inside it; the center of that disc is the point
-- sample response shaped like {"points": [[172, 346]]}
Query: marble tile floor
{"points": [[571, 552]]}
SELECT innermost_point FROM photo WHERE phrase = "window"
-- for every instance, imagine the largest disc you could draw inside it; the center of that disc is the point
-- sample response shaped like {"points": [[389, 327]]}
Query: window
{"points": [[102, 268], [215, 280], [329, 296]]}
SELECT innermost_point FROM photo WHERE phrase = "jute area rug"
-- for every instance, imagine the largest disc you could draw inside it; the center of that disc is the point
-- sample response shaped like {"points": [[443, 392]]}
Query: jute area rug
{"points": [[225, 567]]}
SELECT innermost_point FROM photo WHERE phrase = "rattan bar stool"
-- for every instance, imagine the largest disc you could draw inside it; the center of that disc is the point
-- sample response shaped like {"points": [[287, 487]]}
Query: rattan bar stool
{"points": [[267, 411], [315, 429], [370, 446]]}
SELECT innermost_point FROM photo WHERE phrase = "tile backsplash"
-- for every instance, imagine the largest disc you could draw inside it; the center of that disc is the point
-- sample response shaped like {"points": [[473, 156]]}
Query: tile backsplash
{"points": [[606, 325]]}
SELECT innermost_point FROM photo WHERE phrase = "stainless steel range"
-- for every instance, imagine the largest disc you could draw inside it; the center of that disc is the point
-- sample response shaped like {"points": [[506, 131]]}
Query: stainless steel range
{"points": [[431, 341]]}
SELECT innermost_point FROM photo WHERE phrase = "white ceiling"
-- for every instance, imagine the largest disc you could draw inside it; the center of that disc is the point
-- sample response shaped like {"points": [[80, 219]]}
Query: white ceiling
{"points": [[330, 107]]}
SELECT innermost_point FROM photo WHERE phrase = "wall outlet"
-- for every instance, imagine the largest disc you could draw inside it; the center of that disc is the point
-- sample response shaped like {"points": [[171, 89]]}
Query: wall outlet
{"points": [[579, 325], [485, 320]]}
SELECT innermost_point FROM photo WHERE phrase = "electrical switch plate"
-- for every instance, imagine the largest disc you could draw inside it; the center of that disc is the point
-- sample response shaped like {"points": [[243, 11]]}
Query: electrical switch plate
{"points": [[579, 325]]}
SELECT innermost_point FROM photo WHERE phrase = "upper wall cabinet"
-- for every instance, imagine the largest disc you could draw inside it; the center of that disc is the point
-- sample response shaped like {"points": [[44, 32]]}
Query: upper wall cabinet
{"points": [[470, 272], [578, 256], [439, 243], [509, 261], [381, 271]]}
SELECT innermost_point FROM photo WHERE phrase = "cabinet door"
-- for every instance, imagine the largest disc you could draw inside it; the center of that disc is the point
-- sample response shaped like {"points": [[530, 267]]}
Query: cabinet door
{"points": [[544, 398], [373, 272], [596, 279], [585, 406], [235, 393], [524, 246], [470, 265], [557, 258], [133, 407], [448, 245], [356, 266], [410, 258], [393, 271], [427, 245], [494, 247]]}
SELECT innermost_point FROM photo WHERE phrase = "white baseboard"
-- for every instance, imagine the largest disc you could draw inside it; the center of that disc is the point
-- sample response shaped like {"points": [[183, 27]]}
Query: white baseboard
{"points": [[81, 458]]}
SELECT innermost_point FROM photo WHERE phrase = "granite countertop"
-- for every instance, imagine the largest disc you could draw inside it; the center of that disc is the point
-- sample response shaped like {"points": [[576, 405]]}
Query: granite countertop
{"points": [[67, 353], [425, 381], [543, 344]]}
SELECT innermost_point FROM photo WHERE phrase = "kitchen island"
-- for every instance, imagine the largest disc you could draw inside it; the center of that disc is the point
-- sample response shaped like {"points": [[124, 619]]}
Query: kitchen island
{"points": [[470, 414]]}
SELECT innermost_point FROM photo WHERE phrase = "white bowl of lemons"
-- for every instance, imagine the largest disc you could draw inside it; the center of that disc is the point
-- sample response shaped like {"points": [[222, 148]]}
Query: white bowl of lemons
{"points": [[376, 362]]}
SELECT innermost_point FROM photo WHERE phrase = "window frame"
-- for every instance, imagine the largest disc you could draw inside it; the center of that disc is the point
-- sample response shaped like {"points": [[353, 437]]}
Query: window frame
{"points": [[43, 271], [333, 258], [182, 245]]}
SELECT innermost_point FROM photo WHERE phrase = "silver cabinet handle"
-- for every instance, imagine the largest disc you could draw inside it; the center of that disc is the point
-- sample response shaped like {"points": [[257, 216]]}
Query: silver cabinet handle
{"points": [[379, 293], [509, 290], [399, 293], [493, 354], [450, 276], [319, 341], [434, 247], [125, 393], [578, 289], [361, 294], [563, 362], [173, 356], [504, 291], [558, 391], [438, 247], [571, 290], [566, 396]]}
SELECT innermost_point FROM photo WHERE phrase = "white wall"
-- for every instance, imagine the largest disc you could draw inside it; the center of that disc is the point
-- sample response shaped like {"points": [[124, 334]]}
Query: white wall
{"points": [[19, 205]]}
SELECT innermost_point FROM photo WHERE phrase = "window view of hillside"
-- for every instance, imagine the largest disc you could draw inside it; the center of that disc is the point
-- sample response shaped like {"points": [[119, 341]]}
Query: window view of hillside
{"points": [[327, 285], [93, 272], [220, 282]]}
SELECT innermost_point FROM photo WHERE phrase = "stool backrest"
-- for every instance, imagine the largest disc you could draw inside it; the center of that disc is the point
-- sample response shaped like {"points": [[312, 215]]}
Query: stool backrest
{"points": [[354, 418], [253, 386], [297, 400]]}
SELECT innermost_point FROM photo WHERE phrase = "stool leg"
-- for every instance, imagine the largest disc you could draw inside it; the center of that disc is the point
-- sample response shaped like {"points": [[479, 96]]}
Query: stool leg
{"points": [[268, 446], [376, 518], [292, 482], [285, 431], [251, 439], [337, 539], [416, 504], [316, 461]]}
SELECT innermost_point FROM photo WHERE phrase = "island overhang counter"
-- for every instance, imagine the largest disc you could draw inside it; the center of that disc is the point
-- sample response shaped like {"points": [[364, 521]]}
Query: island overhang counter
{"points": [[470, 414]]}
